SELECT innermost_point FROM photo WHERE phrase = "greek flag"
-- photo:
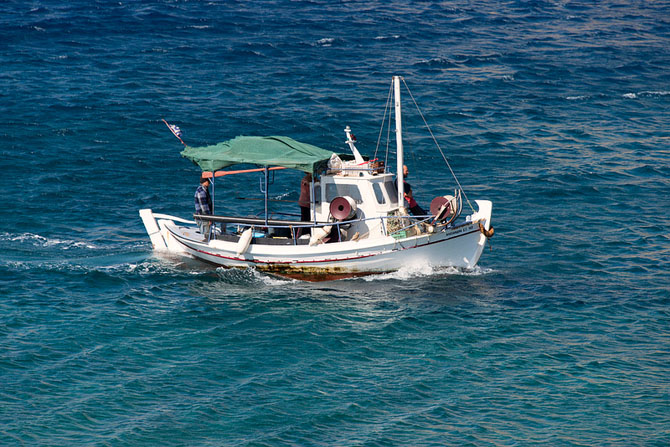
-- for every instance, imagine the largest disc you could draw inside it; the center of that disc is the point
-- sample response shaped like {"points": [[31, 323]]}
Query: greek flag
{"points": [[175, 130]]}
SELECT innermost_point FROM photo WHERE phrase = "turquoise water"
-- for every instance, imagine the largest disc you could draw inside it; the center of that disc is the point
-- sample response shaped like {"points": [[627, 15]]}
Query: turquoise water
{"points": [[555, 112]]}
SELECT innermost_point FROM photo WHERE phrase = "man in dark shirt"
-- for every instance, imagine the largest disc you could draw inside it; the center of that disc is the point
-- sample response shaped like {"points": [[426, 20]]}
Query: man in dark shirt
{"points": [[203, 204], [414, 207]]}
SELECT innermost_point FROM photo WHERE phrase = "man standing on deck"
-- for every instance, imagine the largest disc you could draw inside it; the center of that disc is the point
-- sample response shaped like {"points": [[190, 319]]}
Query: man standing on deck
{"points": [[304, 202], [414, 207], [203, 205]]}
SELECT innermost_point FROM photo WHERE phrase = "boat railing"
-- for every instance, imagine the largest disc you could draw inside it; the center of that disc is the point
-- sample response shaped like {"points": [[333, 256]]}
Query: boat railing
{"points": [[372, 170], [292, 226], [176, 219]]}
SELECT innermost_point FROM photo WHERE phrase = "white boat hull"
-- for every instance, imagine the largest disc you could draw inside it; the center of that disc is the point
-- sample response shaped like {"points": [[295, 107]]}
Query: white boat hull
{"points": [[460, 246]]}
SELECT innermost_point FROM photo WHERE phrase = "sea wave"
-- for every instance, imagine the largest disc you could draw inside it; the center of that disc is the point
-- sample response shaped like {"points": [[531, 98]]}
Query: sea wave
{"points": [[393, 37], [325, 42], [427, 270], [40, 241], [137, 267], [250, 275], [633, 95]]}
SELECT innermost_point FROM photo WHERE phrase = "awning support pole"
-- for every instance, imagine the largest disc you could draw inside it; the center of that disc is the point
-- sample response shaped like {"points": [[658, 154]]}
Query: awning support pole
{"points": [[213, 196], [313, 204], [266, 194]]}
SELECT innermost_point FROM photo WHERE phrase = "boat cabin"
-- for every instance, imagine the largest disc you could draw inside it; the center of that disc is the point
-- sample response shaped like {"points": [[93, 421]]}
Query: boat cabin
{"points": [[357, 195]]}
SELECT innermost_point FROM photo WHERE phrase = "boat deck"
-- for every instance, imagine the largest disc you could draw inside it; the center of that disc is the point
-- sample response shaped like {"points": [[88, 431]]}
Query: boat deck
{"points": [[265, 239]]}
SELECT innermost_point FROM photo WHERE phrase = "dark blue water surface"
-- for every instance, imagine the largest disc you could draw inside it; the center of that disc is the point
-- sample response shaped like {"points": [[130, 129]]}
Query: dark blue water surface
{"points": [[555, 111]]}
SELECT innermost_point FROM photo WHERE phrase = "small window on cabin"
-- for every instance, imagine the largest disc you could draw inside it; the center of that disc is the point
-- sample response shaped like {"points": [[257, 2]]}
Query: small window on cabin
{"points": [[392, 192], [378, 193], [317, 193], [333, 191]]}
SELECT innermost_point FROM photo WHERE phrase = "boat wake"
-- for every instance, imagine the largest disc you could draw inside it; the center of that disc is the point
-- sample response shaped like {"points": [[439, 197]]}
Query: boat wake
{"points": [[421, 271], [251, 276], [35, 240]]}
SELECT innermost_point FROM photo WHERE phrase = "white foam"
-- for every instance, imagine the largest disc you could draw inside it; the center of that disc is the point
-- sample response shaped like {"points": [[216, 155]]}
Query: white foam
{"points": [[424, 270], [41, 241], [326, 41], [272, 280], [434, 60], [282, 195], [66, 245], [646, 93], [656, 93], [251, 275]]}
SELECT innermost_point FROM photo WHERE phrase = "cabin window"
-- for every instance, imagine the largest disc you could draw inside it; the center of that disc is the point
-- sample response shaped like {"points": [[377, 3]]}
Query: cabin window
{"points": [[391, 192], [378, 193], [317, 193], [334, 190]]}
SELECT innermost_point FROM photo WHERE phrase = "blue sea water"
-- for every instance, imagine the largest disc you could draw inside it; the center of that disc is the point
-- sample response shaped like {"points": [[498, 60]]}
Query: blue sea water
{"points": [[555, 111]]}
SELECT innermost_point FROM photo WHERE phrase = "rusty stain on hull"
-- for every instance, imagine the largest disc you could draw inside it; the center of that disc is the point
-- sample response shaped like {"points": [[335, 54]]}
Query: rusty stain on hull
{"points": [[309, 274], [313, 274]]}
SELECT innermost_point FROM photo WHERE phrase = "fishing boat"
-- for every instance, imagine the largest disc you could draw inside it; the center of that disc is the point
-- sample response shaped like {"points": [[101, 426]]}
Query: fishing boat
{"points": [[359, 222]]}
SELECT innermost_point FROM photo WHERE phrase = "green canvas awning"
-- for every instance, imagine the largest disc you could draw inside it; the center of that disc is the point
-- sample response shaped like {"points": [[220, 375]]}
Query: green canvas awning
{"points": [[263, 151]]}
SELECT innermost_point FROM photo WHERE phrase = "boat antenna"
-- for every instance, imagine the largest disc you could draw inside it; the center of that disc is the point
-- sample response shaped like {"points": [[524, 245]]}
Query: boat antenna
{"points": [[437, 144], [351, 141], [176, 131]]}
